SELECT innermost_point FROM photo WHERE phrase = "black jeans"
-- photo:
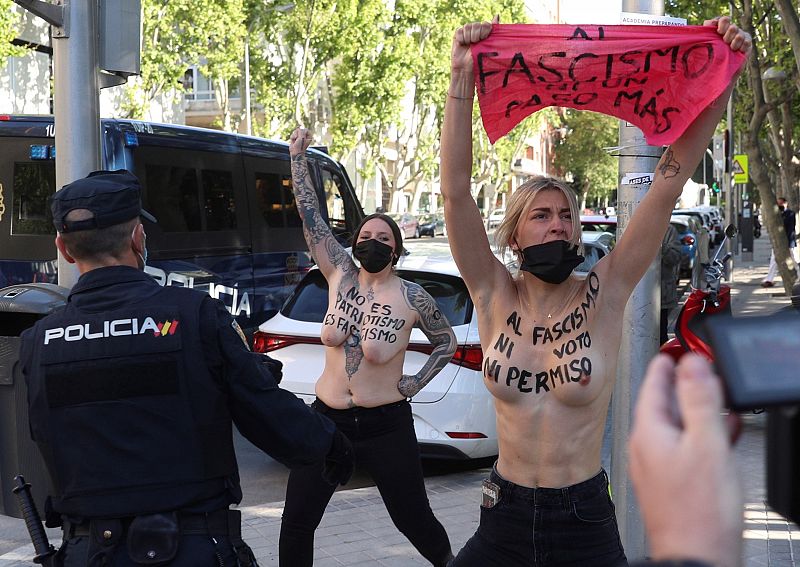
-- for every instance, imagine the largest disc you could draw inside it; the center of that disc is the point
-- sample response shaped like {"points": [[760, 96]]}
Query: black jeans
{"points": [[385, 445], [546, 527]]}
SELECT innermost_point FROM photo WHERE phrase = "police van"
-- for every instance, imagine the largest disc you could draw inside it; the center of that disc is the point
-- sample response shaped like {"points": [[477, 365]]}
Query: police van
{"points": [[227, 219]]}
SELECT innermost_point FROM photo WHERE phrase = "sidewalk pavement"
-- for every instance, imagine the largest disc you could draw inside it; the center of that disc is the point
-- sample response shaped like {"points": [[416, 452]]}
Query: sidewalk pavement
{"points": [[357, 531]]}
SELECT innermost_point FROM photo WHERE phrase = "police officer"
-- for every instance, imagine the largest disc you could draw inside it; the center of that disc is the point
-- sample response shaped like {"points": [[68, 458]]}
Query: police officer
{"points": [[133, 389]]}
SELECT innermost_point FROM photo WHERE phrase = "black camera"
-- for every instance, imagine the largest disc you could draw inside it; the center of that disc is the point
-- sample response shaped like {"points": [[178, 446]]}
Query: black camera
{"points": [[758, 359]]}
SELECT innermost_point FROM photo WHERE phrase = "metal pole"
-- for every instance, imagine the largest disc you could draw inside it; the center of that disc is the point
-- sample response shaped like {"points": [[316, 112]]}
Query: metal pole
{"points": [[77, 106], [727, 180], [640, 337], [704, 169], [246, 94]]}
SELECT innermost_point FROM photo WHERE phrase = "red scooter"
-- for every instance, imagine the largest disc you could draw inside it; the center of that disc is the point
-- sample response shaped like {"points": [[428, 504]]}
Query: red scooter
{"points": [[710, 299]]}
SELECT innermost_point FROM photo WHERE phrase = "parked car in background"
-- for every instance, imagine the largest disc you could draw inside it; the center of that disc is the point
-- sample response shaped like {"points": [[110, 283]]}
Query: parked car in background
{"points": [[704, 236], [454, 414], [431, 224], [496, 216], [408, 223], [599, 223], [717, 222], [688, 241], [596, 245]]}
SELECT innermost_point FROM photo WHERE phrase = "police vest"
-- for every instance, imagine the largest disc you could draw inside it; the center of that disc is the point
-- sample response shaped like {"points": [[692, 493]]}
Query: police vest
{"points": [[126, 412]]}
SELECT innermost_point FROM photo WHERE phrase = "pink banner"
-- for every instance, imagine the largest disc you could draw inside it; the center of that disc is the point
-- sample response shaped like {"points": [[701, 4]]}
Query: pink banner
{"points": [[658, 78]]}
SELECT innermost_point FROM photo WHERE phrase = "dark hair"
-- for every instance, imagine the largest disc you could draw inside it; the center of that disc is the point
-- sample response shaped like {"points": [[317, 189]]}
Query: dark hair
{"points": [[99, 243], [398, 237]]}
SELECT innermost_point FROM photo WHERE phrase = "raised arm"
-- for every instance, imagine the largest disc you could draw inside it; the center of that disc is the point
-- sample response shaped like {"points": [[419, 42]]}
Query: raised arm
{"points": [[326, 250], [468, 242], [642, 238], [439, 332]]}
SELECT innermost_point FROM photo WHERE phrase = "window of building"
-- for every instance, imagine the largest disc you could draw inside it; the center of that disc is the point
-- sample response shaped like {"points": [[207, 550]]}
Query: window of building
{"points": [[197, 85]]}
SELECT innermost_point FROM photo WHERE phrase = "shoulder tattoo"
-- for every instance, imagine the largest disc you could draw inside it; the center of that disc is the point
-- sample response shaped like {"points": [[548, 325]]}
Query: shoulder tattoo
{"points": [[417, 298]]}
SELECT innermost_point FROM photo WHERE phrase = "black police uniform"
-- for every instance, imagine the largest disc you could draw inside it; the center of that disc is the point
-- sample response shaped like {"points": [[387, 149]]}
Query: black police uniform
{"points": [[132, 392]]}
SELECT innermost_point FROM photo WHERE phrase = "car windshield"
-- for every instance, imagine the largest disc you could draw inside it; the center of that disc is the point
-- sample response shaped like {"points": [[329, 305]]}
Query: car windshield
{"points": [[599, 227], [592, 255], [681, 228], [426, 218], [309, 301]]}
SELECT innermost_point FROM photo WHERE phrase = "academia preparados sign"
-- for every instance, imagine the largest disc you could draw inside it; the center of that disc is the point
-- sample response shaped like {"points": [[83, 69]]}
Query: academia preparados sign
{"points": [[656, 77]]}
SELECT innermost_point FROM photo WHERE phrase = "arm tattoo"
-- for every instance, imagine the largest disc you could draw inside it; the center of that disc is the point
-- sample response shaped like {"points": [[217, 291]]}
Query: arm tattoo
{"points": [[434, 324], [318, 235], [669, 166]]}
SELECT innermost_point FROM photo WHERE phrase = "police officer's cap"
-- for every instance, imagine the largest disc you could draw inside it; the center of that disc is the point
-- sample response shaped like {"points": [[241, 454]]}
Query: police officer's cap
{"points": [[113, 197]]}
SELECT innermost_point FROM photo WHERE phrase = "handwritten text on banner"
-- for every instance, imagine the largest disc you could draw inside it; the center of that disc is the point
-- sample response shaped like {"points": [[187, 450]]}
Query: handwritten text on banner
{"points": [[658, 78]]}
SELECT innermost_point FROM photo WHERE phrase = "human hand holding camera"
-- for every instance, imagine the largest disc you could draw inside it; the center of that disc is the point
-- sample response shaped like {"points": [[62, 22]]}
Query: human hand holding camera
{"points": [[681, 464]]}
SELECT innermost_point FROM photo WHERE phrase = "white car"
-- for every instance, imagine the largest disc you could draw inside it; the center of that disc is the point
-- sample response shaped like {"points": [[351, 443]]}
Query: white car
{"points": [[596, 245], [454, 414], [496, 216]]}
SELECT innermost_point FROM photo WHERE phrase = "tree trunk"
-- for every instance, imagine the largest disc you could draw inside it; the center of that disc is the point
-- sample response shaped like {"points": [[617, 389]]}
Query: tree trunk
{"points": [[758, 171], [791, 24], [224, 99]]}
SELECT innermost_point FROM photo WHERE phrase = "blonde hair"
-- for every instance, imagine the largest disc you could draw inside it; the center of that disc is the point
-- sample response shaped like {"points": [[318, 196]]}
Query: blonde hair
{"points": [[519, 203]]}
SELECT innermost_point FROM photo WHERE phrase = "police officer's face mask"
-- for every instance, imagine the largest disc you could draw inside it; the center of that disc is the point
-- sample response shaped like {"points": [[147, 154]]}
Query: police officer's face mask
{"points": [[143, 256]]}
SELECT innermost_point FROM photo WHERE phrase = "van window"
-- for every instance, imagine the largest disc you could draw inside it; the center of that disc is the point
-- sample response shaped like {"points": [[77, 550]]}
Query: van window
{"points": [[33, 186], [220, 204], [181, 204], [275, 197], [332, 184]]}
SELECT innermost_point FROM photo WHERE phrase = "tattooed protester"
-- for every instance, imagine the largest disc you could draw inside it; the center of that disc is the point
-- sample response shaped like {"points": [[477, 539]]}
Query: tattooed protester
{"points": [[366, 330], [550, 340]]}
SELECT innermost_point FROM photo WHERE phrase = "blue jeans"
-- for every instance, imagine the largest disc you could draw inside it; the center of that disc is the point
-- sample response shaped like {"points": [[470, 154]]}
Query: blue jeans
{"points": [[545, 527]]}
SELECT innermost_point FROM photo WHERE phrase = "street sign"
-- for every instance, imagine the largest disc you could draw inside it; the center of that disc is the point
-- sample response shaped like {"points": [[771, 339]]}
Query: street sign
{"points": [[740, 171], [637, 19]]}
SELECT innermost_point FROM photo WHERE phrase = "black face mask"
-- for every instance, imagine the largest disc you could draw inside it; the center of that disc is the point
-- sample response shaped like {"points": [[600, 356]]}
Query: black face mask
{"points": [[551, 262], [373, 255]]}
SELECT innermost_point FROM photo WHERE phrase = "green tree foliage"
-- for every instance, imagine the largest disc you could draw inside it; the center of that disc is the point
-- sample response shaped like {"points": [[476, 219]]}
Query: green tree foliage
{"points": [[582, 154], [767, 112], [363, 74], [405, 66], [382, 71], [292, 50], [9, 25], [180, 33]]}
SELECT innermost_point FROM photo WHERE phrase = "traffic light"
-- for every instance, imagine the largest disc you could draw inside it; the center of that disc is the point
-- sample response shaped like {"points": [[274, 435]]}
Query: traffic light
{"points": [[715, 187]]}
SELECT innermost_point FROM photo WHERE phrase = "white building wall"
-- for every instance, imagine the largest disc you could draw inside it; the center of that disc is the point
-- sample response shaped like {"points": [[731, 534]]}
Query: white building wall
{"points": [[24, 81]]}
